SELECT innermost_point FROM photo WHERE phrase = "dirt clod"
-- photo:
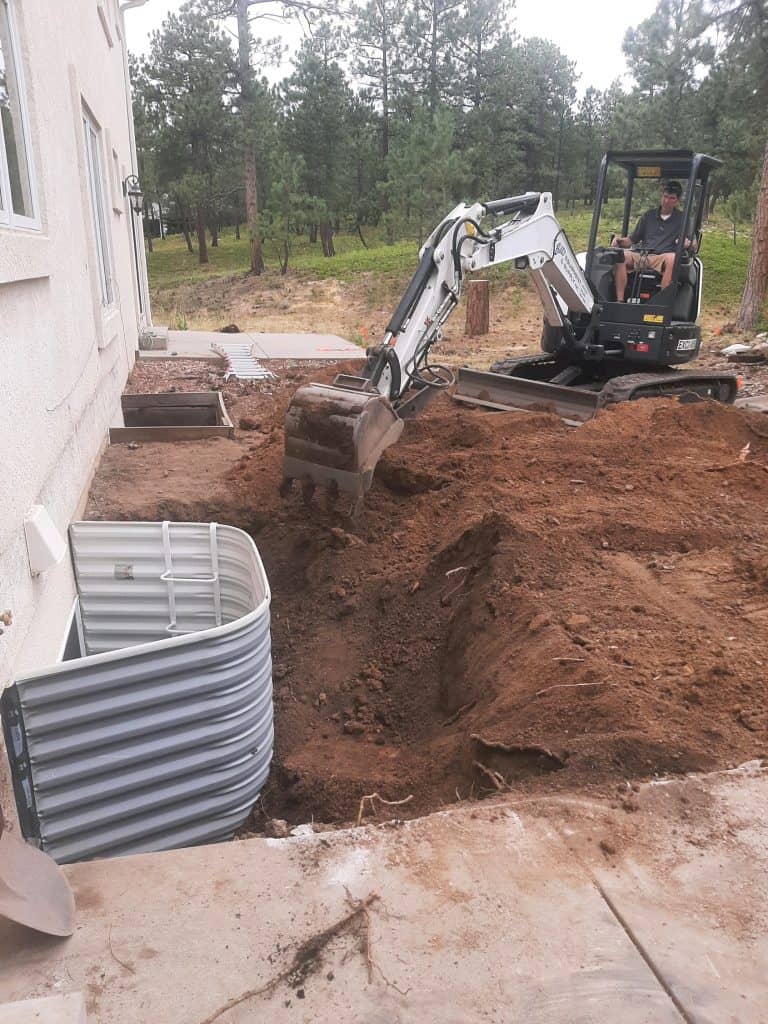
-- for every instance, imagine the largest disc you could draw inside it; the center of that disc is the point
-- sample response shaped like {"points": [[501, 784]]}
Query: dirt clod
{"points": [[249, 423]]}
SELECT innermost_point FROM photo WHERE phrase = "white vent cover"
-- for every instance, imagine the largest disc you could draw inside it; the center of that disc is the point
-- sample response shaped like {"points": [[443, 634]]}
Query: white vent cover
{"points": [[45, 545]]}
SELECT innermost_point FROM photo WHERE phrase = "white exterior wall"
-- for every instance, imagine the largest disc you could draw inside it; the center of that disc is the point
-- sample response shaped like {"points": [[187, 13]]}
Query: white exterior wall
{"points": [[63, 362]]}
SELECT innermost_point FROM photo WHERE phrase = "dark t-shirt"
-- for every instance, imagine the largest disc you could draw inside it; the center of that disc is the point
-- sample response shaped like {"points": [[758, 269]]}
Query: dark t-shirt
{"points": [[658, 235]]}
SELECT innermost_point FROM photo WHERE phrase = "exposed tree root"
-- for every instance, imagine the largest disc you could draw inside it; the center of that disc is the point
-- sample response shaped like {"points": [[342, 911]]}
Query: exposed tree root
{"points": [[307, 957], [375, 796]]}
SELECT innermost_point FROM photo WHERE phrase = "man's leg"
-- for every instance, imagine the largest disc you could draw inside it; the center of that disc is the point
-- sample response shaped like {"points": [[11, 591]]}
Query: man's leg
{"points": [[666, 264], [620, 272]]}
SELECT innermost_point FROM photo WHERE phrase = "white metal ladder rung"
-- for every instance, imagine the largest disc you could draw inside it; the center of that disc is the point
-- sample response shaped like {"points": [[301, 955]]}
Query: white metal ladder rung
{"points": [[170, 579]]}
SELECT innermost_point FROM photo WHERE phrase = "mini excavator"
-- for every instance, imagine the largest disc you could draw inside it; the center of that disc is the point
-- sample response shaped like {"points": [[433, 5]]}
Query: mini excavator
{"points": [[596, 351]]}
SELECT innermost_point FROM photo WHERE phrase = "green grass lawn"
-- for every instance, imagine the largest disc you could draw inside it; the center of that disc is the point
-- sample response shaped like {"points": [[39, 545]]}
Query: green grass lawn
{"points": [[170, 265]]}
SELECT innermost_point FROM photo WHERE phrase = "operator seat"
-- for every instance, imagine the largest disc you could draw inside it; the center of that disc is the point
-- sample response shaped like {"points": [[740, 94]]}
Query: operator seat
{"points": [[686, 288], [684, 305]]}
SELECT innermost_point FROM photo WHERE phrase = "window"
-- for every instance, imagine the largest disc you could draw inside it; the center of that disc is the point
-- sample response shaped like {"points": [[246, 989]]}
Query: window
{"points": [[17, 204], [98, 211]]}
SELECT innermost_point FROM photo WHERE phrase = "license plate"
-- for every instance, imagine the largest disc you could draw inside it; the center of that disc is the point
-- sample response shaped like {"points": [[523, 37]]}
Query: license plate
{"points": [[686, 345]]}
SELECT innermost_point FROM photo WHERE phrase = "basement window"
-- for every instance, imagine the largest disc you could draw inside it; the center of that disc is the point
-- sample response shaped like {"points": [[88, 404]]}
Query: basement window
{"points": [[17, 204]]}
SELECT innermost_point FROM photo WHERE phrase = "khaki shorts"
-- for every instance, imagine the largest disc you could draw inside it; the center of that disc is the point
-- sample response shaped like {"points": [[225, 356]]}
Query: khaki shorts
{"points": [[649, 260]]}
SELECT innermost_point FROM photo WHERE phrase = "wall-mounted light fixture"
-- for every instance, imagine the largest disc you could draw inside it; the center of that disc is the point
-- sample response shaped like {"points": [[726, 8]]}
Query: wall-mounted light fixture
{"points": [[132, 189]]}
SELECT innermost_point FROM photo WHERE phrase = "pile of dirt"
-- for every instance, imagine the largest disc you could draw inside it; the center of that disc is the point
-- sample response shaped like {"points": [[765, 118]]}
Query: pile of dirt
{"points": [[521, 605]]}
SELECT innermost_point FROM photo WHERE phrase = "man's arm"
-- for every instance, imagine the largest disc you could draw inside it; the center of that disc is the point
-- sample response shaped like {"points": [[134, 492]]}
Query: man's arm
{"points": [[625, 241], [639, 233]]}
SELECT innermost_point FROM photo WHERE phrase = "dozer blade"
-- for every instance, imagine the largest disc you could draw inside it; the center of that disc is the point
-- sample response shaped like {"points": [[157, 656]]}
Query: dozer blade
{"points": [[498, 391], [334, 436]]}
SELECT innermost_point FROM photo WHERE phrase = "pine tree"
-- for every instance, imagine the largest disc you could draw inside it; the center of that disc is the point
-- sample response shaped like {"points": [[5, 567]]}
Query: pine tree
{"points": [[318, 104], [427, 173], [666, 53], [432, 31], [187, 82]]}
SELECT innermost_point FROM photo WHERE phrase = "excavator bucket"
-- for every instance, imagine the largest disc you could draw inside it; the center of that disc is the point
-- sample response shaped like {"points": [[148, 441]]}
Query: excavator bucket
{"points": [[334, 436]]}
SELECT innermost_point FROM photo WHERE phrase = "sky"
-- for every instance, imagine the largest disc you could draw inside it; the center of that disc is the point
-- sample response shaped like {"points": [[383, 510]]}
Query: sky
{"points": [[590, 32]]}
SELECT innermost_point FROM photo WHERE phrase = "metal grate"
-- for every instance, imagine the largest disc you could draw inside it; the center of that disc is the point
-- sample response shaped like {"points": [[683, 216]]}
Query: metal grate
{"points": [[241, 362]]}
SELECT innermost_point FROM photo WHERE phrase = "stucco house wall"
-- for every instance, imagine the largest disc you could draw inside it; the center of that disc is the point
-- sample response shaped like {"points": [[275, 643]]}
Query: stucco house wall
{"points": [[65, 354]]}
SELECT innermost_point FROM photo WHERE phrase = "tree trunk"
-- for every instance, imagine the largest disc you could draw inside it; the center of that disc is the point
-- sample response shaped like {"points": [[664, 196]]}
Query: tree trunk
{"points": [[384, 86], [385, 124], [187, 233], [202, 245], [312, 234], [214, 225], [148, 235], [477, 98], [360, 235], [246, 115], [326, 238], [558, 158], [237, 228], [478, 308], [757, 274], [433, 60], [252, 211]]}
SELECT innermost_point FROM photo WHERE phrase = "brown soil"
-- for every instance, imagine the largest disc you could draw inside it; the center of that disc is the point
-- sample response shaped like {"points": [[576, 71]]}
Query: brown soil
{"points": [[521, 604]]}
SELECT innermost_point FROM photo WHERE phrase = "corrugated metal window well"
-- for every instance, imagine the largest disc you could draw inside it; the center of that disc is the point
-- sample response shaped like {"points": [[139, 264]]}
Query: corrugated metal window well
{"points": [[156, 732]]}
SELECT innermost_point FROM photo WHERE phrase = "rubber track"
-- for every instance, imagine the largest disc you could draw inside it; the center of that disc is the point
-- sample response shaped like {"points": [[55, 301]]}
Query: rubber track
{"points": [[625, 388]]}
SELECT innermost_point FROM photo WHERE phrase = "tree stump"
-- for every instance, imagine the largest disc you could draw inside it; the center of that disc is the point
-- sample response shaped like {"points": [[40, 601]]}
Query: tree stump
{"points": [[478, 308]]}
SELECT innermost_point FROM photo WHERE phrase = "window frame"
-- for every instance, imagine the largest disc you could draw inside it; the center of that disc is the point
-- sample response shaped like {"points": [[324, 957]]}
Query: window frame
{"points": [[8, 218], [96, 183]]}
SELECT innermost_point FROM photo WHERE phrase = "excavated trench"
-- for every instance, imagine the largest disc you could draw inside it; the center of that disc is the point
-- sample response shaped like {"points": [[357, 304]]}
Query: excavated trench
{"points": [[521, 607]]}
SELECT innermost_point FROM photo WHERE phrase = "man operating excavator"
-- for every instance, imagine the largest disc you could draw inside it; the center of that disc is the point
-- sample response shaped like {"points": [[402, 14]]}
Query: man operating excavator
{"points": [[655, 236]]}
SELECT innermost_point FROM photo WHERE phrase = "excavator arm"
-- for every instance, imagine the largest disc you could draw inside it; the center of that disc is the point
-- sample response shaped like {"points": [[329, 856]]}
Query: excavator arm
{"points": [[531, 238], [335, 434]]}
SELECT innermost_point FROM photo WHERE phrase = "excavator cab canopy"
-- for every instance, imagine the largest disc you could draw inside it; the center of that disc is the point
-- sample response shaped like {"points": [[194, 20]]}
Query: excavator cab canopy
{"points": [[644, 168]]}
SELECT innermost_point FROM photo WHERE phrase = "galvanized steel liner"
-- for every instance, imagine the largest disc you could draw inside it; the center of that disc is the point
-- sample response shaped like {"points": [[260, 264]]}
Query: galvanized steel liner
{"points": [[167, 742]]}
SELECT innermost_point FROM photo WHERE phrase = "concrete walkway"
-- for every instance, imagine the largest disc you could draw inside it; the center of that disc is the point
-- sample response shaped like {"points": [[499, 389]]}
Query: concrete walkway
{"points": [[197, 345], [648, 909]]}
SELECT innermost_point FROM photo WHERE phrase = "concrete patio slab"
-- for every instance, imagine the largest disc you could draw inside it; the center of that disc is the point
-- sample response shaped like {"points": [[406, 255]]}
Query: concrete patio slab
{"points": [[697, 902], [68, 1009], [504, 911], [198, 345], [304, 346]]}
